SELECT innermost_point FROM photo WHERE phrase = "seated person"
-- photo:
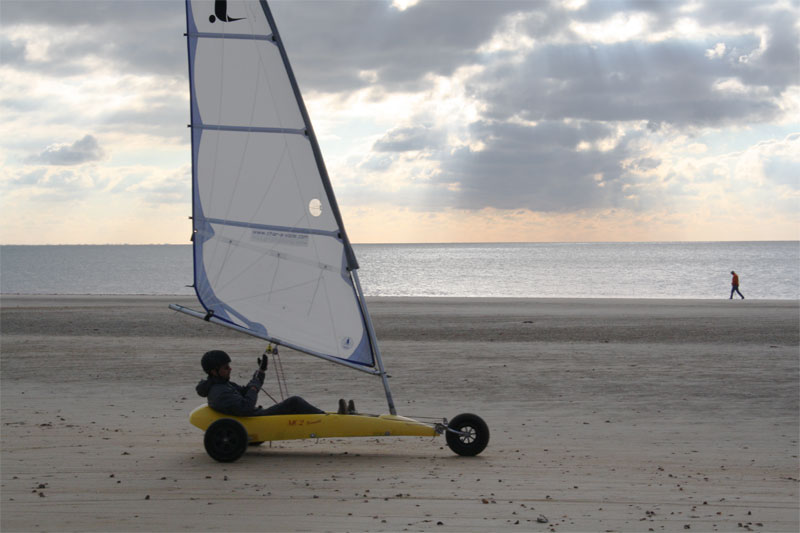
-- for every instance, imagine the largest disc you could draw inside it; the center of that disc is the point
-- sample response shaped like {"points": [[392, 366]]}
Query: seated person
{"points": [[232, 399]]}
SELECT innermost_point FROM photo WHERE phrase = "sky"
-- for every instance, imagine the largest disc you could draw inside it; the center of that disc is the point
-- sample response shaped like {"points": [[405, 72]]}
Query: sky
{"points": [[439, 121]]}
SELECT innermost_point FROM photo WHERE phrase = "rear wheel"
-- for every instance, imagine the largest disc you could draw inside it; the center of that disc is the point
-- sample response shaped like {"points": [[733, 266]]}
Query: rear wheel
{"points": [[225, 440], [467, 434]]}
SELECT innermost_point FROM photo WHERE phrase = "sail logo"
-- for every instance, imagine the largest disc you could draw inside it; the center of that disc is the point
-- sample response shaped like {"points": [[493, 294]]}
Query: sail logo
{"points": [[347, 343], [221, 12]]}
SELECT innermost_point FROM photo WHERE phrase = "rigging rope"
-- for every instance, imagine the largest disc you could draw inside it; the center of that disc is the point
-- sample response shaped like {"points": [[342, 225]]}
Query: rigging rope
{"points": [[279, 374]]}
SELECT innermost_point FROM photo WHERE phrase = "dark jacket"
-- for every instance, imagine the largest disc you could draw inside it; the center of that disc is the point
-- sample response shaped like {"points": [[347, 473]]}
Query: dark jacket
{"points": [[229, 398]]}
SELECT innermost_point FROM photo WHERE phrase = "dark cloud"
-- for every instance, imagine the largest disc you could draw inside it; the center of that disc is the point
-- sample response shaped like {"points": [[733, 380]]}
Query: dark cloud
{"points": [[137, 36], [81, 151], [669, 82], [330, 43], [748, 14], [779, 66], [538, 168], [574, 92], [89, 12]]}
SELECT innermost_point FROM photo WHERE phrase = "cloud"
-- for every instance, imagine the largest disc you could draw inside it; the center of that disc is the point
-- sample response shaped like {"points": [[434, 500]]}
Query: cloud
{"points": [[73, 38], [376, 163], [48, 184], [156, 188], [781, 161], [13, 52], [81, 151], [409, 139], [33, 177], [537, 168], [399, 47], [668, 82]]}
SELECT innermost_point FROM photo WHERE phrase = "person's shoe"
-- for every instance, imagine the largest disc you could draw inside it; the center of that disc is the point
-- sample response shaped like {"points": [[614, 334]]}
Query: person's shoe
{"points": [[351, 408], [342, 407]]}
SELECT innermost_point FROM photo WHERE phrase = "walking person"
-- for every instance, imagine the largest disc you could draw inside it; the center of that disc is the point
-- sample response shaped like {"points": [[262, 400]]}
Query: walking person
{"points": [[735, 285]]}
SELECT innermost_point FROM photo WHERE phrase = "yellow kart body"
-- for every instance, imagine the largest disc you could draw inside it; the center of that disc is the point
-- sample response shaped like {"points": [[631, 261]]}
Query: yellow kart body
{"points": [[328, 425]]}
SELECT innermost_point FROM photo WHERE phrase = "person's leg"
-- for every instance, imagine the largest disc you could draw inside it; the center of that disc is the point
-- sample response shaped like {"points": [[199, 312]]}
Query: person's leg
{"points": [[294, 405]]}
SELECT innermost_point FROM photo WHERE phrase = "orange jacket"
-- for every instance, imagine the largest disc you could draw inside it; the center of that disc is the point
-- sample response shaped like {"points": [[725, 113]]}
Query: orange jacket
{"points": [[735, 280]]}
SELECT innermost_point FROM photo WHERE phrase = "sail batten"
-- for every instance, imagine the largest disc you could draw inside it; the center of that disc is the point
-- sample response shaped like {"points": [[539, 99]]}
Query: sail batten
{"points": [[283, 229], [207, 35], [249, 129]]}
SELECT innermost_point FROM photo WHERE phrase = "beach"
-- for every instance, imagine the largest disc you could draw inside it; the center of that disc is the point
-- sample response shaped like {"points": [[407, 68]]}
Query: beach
{"points": [[605, 415]]}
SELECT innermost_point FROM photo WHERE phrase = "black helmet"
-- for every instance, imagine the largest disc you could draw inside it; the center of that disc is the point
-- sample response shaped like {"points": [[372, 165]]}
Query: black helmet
{"points": [[213, 360]]}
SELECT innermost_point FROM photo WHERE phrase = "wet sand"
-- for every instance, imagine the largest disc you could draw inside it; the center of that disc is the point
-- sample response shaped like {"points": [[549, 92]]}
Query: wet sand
{"points": [[605, 415]]}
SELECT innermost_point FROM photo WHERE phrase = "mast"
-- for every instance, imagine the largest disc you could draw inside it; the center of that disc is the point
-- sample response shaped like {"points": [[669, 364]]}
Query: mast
{"points": [[376, 352]]}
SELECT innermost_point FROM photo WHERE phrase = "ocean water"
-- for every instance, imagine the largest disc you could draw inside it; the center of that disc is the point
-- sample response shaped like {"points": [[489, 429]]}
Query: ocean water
{"points": [[767, 270]]}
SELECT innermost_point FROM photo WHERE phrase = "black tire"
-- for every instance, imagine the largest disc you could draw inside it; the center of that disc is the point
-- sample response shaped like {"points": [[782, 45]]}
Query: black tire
{"points": [[225, 440], [472, 436]]}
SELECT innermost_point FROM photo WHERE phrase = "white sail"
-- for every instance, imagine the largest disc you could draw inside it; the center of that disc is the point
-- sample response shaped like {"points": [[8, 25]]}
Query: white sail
{"points": [[271, 256]]}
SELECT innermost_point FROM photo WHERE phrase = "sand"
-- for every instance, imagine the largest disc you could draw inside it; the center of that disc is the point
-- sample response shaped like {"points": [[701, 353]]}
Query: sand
{"points": [[605, 415]]}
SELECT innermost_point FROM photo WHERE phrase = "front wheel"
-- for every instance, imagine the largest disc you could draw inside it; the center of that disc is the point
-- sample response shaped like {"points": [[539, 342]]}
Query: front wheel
{"points": [[467, 434], [225, 440]]}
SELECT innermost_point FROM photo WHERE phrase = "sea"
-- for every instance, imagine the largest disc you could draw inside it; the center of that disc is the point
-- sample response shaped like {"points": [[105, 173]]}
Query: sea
{"points": [[683, 270]]}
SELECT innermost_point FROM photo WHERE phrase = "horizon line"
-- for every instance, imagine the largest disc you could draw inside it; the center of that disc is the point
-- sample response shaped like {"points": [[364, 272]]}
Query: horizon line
{"points": [[433, 243]]}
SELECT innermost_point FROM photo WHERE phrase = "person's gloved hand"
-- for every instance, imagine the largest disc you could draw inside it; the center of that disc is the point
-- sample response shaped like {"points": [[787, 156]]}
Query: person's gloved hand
{"points": [[258, 377], [263, 361]]}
